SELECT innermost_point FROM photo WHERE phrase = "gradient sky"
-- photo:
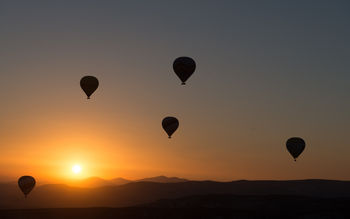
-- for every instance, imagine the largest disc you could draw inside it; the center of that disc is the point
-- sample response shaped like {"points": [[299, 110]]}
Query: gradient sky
{"points": [[266, 71]]}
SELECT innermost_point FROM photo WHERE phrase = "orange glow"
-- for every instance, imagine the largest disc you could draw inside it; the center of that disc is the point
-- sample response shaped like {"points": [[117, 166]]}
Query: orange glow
{"points": [[76, 169]]}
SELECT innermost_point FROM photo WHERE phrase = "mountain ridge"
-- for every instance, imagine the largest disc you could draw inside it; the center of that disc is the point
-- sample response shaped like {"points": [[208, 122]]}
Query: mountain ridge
{"points": [[137, 193], [93, 182]]}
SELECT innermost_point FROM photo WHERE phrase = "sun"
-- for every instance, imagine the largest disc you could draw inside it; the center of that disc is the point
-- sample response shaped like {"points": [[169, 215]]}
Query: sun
{"points": [[76, 169]]}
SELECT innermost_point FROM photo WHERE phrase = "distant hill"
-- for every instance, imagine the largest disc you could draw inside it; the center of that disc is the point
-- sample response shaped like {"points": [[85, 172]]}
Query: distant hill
{"points": [[140, 193], [163, 179], [93, 182], [120, 181]]}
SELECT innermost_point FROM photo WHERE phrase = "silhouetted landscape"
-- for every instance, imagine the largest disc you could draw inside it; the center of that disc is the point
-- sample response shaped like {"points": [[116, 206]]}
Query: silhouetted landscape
{"points": [[184, 199]]}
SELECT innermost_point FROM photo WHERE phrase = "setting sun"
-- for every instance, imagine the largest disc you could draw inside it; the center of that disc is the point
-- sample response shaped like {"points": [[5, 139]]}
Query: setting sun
{"points": [[76, 169]]}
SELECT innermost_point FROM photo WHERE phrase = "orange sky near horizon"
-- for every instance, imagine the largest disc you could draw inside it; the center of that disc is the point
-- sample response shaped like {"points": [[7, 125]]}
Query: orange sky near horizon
{"points": [[116, 144]]}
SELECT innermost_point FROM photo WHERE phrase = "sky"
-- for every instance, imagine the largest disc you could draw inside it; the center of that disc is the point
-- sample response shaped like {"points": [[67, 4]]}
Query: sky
{"points": [[266, 71]]}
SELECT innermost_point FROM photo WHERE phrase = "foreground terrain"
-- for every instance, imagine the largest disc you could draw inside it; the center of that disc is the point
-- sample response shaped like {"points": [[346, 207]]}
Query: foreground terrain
{"points": [[206, 206], [182, 199]]}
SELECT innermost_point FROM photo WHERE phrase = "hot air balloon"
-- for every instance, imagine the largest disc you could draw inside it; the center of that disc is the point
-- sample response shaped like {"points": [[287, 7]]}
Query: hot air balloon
{"points": [[295, 146], [184, 68], [170, 124], [89, 84], [26, 184]]}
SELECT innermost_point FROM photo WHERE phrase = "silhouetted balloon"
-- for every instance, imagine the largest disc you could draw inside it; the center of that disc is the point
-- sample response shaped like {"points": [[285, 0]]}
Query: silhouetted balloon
{"points": [[295, 146], [89, 84], [184, 68], [170, 124], [26, 184]]}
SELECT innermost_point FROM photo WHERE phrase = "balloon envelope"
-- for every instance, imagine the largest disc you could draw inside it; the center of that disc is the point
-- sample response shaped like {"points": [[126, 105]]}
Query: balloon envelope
{"points": [[89, 84], [295, 146], [184, 68], [26, 184], [170, 124]]}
